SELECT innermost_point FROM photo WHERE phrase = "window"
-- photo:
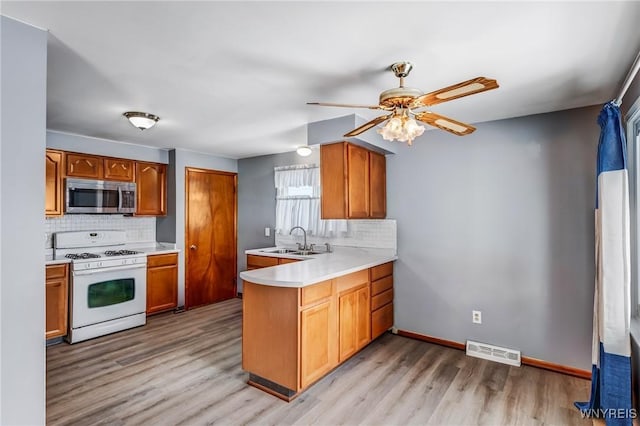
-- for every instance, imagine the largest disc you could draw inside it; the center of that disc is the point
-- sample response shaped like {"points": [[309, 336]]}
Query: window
{"points": [[298, 202], [633, 157]]}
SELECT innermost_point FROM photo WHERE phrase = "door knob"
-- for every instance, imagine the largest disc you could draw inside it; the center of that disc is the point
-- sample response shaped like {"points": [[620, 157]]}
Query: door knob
{"points": [[193, 247]]}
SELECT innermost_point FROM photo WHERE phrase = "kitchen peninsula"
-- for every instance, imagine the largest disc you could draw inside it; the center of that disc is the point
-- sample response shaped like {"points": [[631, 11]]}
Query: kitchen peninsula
{"points": [[303, 319]]}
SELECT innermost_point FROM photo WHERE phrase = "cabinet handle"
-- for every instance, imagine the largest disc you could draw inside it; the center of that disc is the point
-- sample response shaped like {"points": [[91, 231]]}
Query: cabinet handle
{"points": [[193, 247]]}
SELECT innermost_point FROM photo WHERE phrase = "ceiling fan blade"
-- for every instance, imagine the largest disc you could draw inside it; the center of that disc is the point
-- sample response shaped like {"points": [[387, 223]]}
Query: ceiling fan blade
{"points": [[445, 123], [344, 105], [466, 88], [368, 125]]}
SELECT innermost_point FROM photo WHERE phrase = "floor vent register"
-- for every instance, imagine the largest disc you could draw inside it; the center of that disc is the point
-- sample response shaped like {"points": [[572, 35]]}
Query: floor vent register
{"points": [[493, 353]]}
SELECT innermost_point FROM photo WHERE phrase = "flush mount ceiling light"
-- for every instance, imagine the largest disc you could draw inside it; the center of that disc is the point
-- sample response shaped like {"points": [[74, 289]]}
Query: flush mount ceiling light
{"points": [[405, 107], [141, 120], [303, 151]]}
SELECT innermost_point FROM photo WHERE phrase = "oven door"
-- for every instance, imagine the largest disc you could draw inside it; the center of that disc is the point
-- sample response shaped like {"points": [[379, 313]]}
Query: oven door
{"points": [[105, 294]]}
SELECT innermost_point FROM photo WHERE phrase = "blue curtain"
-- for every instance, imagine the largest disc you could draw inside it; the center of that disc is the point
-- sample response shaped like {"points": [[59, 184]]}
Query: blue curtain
{"points": [[611, 371]]}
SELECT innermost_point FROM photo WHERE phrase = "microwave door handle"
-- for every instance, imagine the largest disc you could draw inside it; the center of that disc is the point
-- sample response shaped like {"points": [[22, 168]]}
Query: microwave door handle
{"points": [[119, 199]]}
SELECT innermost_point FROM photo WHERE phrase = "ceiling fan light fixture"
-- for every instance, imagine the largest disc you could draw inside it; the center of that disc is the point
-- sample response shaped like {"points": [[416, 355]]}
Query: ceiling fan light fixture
{"points": [[303, 151], [401, 128], [141, 120]]}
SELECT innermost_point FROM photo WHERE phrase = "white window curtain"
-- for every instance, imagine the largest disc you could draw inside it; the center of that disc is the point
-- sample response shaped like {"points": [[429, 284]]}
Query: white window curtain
{"points": [[298, 202]]}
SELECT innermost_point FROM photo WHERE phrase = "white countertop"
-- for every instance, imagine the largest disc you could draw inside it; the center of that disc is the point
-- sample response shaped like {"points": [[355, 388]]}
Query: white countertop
{"points": [[316, 268], [148, 248]]}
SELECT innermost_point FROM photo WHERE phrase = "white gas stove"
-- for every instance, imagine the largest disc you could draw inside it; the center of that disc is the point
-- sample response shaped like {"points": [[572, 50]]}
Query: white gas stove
{"points": [[108, 282]]}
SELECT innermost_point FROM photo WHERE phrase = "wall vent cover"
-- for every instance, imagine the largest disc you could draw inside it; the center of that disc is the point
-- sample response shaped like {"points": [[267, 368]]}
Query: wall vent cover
{"points": [[493, 353]]}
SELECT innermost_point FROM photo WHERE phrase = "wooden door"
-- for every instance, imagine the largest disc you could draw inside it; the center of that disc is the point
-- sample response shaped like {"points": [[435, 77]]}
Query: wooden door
{"points": [[358, 182], [118, 169], [317, 342], [151, 189], [210, 238], [377, 186], [54, 166], [84, 166]]}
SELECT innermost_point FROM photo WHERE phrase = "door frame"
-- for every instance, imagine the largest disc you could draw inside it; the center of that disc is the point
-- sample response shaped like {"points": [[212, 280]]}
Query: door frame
{"points": [[187, 170]]}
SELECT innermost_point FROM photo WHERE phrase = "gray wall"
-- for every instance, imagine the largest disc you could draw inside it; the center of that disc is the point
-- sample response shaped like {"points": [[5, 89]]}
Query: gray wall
{"points": [[257, 200], [171, 228], [23, 116], [106, 147], [500, 221]]}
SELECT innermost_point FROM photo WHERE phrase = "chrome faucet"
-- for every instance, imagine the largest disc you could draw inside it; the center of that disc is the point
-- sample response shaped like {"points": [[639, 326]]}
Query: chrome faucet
{"points": [[304, 247]]}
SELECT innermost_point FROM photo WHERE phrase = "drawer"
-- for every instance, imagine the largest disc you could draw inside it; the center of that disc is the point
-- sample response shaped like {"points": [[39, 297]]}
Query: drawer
{"points": [[381, 299], [349, 281], [56, 271], [284, 260], [381, 320], [162, 260], [315, 292], [380, 271], [261, 261], [381, 285]]}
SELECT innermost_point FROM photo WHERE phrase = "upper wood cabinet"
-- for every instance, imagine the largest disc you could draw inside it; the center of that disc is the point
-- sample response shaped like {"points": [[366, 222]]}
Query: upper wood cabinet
{"points": [[118, 169], [54, 170], [84, 166], [151, 190], [102, 168], [377, 185], [353, 182]]}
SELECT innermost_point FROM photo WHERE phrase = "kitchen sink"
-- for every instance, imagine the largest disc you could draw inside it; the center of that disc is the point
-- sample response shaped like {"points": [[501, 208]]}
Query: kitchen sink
{"points": [[282, 251], [305, 252]]}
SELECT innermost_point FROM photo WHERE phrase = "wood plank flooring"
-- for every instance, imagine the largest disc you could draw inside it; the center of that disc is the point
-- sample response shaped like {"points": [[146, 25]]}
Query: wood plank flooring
{"points": [[185, 369]]}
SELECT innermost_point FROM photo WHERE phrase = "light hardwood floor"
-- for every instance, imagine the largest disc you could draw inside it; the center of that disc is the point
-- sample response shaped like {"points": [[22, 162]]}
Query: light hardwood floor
{"points": [[186, 369]]}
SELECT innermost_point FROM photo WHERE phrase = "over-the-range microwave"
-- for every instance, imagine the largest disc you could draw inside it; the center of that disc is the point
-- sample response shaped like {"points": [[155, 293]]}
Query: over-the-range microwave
{"points": [[99, 196]]}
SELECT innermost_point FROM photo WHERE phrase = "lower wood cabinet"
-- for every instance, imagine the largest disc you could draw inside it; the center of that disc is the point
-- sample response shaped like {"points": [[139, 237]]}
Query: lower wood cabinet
{"points": [[381, 298], [292, 337], [257, 262], [317, 341], [162, 282], [56, 300]]}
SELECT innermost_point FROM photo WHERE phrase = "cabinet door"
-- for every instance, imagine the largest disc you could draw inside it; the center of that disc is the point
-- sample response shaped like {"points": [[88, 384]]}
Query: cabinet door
{"points": [[357, 182], [162, 288], [354, 313], [118, 169], [56, 297], [347, 325], [377, 186], [317, 342], [84, 166], [333, 180], [151, 187], [363, 318], [54, 165]]}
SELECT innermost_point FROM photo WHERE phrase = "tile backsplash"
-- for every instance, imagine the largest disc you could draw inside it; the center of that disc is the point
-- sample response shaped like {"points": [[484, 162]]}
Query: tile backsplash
{"points": [[139, 229], [360, 233]]}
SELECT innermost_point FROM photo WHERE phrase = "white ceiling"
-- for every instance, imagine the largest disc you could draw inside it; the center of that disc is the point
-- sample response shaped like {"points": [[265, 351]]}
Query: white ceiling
{"points": [[232, 78]]}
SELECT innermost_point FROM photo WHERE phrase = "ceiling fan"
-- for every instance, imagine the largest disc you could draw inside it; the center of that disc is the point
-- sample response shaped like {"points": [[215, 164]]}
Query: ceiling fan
{"points": [[406, 103]]}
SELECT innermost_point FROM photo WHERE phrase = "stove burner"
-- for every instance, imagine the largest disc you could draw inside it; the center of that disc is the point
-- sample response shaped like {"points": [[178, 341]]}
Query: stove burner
{"points": [[120, 252], [76, 256]]}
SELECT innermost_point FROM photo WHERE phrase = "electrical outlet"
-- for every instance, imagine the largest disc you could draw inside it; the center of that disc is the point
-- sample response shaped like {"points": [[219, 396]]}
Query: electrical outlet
{"points": [[267, 231], [476, 317]]}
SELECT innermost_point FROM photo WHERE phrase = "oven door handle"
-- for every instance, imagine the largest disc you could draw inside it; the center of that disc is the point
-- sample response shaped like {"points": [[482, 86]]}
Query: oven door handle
{"points": [[109, 269]]}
